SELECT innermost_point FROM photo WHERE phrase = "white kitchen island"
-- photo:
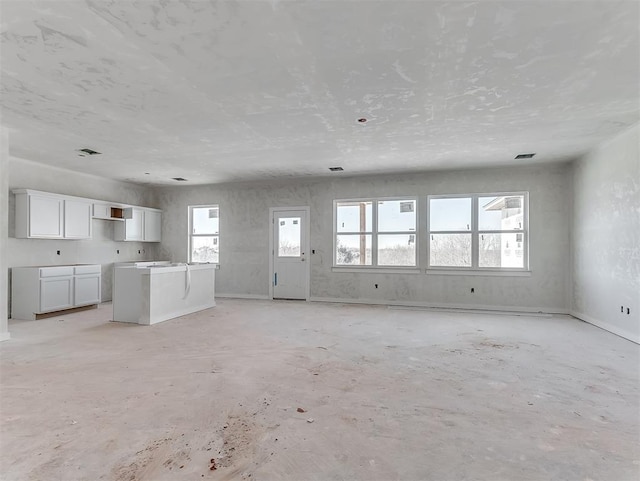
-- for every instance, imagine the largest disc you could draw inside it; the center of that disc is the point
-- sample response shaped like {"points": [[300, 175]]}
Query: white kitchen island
{"points": [[151, 294]]}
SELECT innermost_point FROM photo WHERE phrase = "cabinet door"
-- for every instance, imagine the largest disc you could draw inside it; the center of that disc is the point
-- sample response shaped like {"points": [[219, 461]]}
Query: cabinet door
{"points": [[152, 226], [56, 293], [134, 227], [87, 289], [77, 219], [101, 211], [45, 216]]}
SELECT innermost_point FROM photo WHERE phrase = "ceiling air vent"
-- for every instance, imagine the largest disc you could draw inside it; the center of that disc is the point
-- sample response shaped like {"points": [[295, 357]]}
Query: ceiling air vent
{"points": [[84, 152], [524, 156], [179, 179], [336, 169]]}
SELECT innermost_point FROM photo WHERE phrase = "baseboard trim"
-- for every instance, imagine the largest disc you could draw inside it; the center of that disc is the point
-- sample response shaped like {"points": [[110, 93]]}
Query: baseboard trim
{"points": [[629, 336], [432, 305], [243, 296]]}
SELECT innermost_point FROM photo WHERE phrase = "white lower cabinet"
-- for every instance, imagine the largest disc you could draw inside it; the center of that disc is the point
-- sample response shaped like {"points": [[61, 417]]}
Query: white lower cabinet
{"points": [[86, 289], [41, 290], [56, 293]]}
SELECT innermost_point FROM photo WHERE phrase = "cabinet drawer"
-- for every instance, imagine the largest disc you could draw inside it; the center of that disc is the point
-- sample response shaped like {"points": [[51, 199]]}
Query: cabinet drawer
{"points": [[56, 271], [93, 269]]}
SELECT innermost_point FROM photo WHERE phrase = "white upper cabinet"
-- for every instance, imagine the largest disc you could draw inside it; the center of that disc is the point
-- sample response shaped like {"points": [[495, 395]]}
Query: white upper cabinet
{"points": [[152, 225], [132, 229], [43, 215], [140, 224], [40, 216], [77, 219]]}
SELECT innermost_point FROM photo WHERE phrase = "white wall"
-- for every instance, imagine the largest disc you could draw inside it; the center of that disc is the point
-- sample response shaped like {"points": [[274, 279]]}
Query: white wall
{"points": [[101, 249], [244, 241], [4, 232], [606, 235]]}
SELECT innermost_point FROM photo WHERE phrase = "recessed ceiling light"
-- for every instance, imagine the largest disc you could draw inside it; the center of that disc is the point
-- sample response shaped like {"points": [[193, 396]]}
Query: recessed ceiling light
{"points": [[88, 152], [524, 156], [179, 179], [336, 169], [362, 120]]}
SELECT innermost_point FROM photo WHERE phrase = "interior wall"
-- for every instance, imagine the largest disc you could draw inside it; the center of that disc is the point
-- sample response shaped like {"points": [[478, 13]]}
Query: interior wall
{"points": [[4, 232], [244, 237], [101, 248], [606, 236]]}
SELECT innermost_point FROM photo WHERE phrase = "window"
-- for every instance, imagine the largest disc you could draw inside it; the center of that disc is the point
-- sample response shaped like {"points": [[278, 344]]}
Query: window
{"points": [[375, 232], [289, 237], [479, 231], [204, 227]]}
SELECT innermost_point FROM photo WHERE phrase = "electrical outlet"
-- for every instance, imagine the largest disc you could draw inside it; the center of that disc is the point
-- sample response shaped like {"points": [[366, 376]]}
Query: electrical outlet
{"points": [[621, 308], [473, 289], [628, 311], [117, 251], [376, 286], [58, 252]]}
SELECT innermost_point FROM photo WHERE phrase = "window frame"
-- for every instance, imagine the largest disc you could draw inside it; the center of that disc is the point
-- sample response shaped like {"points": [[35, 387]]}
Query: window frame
{"points": [[191, 235], [374, 233], [476, 232]]}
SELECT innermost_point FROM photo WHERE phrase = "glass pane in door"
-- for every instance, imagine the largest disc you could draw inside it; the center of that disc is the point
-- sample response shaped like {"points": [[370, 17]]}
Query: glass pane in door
{"points": [[289, 237]]}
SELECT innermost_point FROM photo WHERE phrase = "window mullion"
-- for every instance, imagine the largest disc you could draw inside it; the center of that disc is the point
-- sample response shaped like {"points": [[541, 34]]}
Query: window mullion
{"points": [[374, 235], [475, 237]]}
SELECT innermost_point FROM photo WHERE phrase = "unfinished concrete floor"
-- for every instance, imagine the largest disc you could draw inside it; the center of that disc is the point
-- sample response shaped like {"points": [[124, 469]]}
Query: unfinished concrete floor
{"points": [[393, 395]]}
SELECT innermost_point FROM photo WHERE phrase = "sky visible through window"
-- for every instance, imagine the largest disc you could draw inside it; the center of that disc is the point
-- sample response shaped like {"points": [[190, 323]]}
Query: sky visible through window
{"points": [[450, 214], [391, 226], [205, 220], [289, 231]]}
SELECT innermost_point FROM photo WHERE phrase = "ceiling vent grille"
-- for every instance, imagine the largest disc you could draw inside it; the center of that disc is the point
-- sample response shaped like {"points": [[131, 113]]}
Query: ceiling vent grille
{"points": [[524, 156], [89, 151]]}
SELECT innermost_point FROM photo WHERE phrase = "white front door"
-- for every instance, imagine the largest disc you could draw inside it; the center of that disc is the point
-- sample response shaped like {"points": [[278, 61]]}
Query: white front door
{"points": [[290, 254]]}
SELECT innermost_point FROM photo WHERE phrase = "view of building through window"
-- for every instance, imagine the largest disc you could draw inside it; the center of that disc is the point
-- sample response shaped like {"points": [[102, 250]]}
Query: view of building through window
{"points": [[475, 231], [504, 248], [204, 234], [376, 233], [493, 236]]}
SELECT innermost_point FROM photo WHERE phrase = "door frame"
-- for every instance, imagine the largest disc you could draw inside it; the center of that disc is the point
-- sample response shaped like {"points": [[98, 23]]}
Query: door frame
{"points": [[307, 252]]}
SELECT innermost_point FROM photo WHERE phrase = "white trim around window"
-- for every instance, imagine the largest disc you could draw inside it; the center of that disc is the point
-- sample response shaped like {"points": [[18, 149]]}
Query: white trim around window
{"points": [[486, 233], [376, 234], [204, 234]]}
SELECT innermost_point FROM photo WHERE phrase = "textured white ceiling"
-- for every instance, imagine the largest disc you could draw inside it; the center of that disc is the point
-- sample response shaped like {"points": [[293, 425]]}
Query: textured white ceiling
{"points": [[218, 91]]}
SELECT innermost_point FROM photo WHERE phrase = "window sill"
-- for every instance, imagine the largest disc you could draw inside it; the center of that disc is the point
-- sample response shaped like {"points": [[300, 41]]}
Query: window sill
{"points": [[377, 270], [477, 272], [215, 266]]}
